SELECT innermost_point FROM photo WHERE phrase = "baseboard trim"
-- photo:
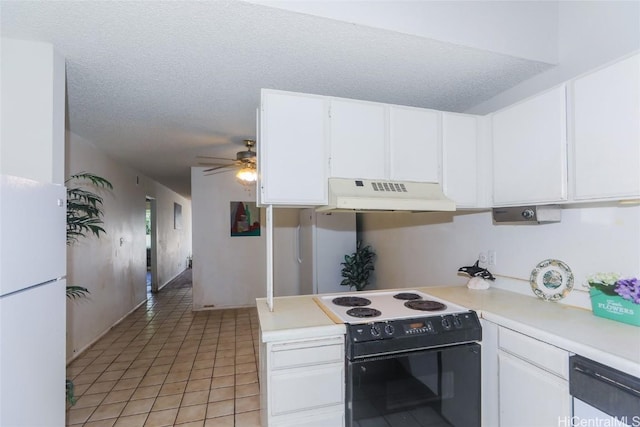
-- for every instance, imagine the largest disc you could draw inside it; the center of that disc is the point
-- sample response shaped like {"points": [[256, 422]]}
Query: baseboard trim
{"points": [[225, 307], [86, 347], [172, 279], [144, 301]]}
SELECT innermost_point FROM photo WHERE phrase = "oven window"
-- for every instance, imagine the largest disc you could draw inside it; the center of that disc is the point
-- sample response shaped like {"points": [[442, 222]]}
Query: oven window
{"points": [[429, 388]]}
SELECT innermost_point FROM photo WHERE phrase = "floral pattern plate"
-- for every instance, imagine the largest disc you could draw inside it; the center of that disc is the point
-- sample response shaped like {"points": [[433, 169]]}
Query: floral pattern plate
{"points": [[551, 280]]}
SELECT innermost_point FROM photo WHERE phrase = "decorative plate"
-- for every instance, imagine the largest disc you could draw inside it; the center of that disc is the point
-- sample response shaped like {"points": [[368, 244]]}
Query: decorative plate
{"points": [[551, 280]]}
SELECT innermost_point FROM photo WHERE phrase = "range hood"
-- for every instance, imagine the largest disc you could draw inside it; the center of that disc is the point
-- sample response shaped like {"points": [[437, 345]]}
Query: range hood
{"points": [[375, 195]]}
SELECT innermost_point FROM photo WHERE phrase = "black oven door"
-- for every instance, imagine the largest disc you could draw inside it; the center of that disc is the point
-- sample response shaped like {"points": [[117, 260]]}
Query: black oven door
{"points": [[433, 387]]}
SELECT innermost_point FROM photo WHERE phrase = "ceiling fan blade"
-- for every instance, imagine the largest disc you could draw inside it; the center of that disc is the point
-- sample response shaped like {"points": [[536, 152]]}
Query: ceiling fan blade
{"points": [[214, 164], [215, 172], [215, 158], [217, 167]]}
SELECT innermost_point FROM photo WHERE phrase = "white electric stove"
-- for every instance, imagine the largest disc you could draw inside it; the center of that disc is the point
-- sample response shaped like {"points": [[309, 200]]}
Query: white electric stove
{"points": [[408, 354], [374, 306]]}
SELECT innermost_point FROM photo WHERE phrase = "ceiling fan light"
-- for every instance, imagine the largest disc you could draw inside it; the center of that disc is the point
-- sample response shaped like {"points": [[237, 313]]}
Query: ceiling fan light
{"points": [[247, 175]]}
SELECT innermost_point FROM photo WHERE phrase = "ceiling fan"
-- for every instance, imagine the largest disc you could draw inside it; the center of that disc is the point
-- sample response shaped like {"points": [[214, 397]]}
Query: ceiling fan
{"points": [[244, 163]]}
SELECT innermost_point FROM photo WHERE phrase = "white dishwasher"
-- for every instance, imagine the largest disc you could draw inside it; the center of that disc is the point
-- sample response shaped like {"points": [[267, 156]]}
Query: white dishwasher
{"points": [[603, 395]]}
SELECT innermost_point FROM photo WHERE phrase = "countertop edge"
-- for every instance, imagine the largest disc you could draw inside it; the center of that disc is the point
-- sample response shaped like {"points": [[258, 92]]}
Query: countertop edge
{"points": [[284, 324], [574, 347], [303, 333]]}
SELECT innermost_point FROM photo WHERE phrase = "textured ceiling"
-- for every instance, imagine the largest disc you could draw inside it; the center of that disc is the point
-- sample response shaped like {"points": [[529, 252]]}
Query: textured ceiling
{"points": [[157, 83]]}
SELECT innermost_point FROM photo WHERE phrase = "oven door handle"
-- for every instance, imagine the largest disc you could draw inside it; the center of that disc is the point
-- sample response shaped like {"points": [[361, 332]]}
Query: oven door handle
{"points": [[472, 346]]}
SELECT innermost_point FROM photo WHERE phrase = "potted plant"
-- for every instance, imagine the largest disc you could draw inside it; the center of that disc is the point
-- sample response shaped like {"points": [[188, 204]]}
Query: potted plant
{"points": [[357, 267], [84, 215]]}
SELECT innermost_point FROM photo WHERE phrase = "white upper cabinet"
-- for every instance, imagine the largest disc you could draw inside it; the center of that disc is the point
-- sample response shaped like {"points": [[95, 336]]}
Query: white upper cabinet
{"points": [[387, 142], [530, 151], [358, 139], [460, 158], [414, 144], [292, 150], [606, 132]]}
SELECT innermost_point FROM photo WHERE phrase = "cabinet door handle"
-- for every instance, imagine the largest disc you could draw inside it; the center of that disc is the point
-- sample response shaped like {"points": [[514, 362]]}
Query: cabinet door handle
{"points": [[298, 245]]}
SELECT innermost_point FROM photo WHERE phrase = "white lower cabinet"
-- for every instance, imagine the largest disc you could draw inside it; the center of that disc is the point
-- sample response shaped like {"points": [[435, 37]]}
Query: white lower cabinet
{"points": [[302, 382], [532, 381]]}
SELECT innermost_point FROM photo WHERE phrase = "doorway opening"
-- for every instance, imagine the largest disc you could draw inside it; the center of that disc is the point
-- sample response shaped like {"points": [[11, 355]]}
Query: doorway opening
{"points": [[151, 240]]}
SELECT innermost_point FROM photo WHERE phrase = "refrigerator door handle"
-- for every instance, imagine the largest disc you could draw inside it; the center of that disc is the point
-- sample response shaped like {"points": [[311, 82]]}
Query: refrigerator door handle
{"points": [[298, 250], [28, 288]]}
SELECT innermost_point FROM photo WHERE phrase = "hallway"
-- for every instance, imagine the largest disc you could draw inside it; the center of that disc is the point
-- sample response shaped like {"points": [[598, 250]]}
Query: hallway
{"points": [[165, 365]]}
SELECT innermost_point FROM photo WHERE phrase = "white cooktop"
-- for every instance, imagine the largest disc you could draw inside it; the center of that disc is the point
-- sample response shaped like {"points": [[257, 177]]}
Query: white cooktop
{"points": [[390, 307]]}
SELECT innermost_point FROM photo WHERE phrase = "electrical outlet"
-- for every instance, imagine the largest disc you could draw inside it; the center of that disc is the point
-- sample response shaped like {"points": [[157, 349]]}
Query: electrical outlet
{"points": [[483, 257], [492, 257]]}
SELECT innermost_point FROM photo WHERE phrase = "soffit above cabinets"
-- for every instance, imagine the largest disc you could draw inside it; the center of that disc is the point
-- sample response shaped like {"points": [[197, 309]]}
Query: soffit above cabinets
{"points": [[155, 84]]}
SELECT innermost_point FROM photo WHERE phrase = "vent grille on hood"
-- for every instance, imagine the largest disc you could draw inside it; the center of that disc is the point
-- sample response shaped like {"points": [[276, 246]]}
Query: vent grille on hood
{"points": [[376, 195], [397, 187]]}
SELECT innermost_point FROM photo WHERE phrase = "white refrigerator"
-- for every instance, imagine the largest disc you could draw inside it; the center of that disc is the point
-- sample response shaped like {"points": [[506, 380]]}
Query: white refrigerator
{"points": [[32, 302], [323, 241]]}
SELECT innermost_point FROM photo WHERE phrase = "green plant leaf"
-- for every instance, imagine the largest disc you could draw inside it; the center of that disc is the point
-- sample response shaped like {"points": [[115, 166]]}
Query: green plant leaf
{"points": [[604, 288], [357, 267], [74, 292], [84, 207], [70, 392]]}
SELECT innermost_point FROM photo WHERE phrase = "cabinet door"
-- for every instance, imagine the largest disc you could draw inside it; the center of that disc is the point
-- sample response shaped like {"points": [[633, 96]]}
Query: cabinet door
{"points": [[358, 139], [529, 151], [460, 159], [530, 396], [323, 387], [606, 132], [292, 155], [414, 144]]}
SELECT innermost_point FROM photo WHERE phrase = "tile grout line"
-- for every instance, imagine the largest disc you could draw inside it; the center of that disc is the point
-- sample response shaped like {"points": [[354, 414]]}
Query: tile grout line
{"points": [[146, 334]]}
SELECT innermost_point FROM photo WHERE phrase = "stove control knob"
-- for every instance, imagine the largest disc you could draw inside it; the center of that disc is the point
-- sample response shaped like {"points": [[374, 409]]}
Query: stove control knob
{"points": [[388, 329], [457, 322], [446, 324], [375, 331]]}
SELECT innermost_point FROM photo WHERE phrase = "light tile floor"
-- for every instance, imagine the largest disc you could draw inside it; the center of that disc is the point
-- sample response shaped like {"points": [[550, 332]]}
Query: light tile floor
{"points": [[165, 365]]}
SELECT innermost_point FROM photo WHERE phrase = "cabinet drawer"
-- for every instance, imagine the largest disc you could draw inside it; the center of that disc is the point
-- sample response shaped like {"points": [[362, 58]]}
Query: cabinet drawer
{"points": [[333, 418], [293, 390], [306, 353], [546, 356]]}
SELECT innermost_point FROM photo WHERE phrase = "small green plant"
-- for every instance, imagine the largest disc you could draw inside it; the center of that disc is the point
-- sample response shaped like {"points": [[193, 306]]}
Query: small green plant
{"points": [[357, 267]]}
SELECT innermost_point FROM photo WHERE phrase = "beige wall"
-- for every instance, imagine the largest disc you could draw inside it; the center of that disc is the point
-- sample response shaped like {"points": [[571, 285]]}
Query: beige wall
{"points": [[230, 271], [427, 249], [113, 267]]}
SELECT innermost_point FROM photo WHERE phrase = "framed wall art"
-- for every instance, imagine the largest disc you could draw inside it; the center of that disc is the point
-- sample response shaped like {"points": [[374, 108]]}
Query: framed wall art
{"points": [[245, 219]]}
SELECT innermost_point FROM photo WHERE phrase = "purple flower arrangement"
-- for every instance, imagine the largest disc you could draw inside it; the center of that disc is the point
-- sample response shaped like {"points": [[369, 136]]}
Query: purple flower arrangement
{"points": [[611, 284], [628, 289]]}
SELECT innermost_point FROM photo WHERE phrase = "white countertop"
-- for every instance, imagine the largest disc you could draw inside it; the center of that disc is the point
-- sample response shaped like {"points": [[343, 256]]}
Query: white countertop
{"points": [[296, 317], [573, 329]]}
